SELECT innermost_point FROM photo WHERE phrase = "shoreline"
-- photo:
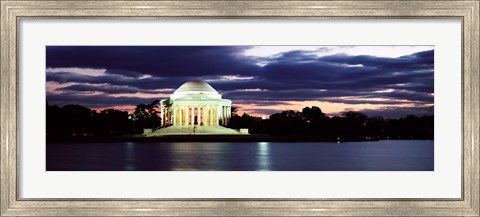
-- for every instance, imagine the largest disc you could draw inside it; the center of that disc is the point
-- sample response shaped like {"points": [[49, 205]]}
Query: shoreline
{"points": [[220, 138]]}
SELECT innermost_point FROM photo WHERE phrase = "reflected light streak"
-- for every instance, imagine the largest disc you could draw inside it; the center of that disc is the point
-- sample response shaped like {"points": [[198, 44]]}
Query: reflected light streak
{"points": [[130, 156], [263, 157], [187, 158]]}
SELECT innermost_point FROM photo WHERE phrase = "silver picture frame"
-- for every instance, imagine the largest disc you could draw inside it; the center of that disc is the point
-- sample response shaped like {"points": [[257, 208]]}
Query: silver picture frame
{"points": [[12, 11]]}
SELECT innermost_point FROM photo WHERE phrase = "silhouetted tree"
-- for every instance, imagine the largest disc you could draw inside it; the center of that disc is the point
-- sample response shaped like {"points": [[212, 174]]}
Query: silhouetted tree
{"points": [[76, 120], [244, 121], [70, 120], [337, 127], [312, 115], [146, 115], [167, 104], [287, 122], [410, 127], [355, 123], [114, 122], [315, 120], [376, 127]]}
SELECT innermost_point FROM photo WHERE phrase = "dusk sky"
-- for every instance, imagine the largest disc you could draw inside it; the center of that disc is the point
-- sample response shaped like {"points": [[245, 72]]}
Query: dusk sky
{"points": [[390, 81]]}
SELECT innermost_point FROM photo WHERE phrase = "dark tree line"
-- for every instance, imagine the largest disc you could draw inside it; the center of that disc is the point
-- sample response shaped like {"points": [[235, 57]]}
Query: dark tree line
{"points": [[76, 120], [311, 121]]}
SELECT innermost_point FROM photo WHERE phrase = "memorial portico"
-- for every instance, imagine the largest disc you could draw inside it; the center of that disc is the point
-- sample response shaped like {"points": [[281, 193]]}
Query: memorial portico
{"points": [[196, 103]]}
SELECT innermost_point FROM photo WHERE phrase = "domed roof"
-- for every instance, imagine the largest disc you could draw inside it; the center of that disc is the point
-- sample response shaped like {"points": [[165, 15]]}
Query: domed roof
{"points": [[196, 86]]}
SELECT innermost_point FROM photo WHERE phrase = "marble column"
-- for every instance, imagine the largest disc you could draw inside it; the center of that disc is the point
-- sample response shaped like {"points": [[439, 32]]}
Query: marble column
{"points": [[217, 114], [226, 115], [175, 115], [223, 115], [186, 115], [180, 115], [204, 116], [199, 117], [210, 116]]}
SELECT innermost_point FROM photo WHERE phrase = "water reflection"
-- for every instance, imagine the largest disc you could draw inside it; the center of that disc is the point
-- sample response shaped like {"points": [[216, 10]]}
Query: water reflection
{"points": [[129, 156], [263, 156], [198, 156], [389, 155]]}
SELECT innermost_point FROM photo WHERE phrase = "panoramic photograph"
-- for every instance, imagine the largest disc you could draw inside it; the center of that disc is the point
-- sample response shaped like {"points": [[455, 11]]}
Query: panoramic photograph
{"points": [[240, 108]]}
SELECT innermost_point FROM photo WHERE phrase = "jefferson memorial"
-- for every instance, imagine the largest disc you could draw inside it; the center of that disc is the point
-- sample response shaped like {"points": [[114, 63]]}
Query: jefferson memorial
{"points": [[195, 108], [197, 103]]}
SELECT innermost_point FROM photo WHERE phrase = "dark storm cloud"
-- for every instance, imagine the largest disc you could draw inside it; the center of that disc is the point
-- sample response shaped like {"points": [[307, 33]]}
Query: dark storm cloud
{"points": [[124, 73], [333, 96], [115, 79], [354, 71], [146, 83], [414, 61], [105, 89], [95, 100], [294, 75], [330, 73], [340, 76], [161, 61], [425, 86], [422, 97]]}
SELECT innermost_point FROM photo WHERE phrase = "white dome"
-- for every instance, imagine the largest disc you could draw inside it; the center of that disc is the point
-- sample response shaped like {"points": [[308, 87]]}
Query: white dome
{"points": [[200, 86], [195, 88]]}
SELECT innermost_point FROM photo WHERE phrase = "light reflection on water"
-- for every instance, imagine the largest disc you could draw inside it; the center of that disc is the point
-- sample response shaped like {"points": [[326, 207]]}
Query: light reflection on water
{"points": [[130, 156], [386, 155], [263, 156], [197, 156]]}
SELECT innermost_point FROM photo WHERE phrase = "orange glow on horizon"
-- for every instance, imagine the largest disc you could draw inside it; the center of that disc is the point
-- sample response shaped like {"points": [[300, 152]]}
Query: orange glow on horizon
{"points": [[127, 108], [326, 107]]}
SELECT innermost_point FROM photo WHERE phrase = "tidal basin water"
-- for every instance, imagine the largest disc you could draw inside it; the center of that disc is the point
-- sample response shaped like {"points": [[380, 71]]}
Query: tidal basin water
{"points": [[385, 155]]}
